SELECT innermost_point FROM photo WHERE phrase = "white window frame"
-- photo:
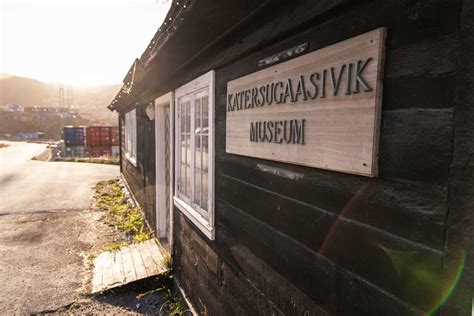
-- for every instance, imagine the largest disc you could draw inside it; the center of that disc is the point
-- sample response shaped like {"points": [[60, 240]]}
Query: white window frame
{"points": [[166, 100], [131, 136], [204, 221]]}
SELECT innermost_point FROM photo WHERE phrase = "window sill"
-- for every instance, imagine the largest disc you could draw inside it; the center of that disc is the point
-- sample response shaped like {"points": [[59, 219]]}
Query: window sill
{"points": [[195, 217], [132, 160]]}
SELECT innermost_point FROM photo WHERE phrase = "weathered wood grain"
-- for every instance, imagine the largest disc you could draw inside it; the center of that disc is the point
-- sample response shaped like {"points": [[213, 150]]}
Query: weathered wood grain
{"points": [[117, 268], [460, 220], [316, 272], [150, 261], [131, 263], [313, 205], [416, 144], [128, 265], [138, 263]]}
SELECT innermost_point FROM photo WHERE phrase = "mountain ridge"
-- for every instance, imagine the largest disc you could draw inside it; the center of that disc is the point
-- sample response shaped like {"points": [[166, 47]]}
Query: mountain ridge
{"points": [[27, 92]]}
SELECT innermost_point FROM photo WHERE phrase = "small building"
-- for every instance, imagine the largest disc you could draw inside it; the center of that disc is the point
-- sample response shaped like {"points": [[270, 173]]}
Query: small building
{"points": [[31, 136], [11, 107], [308, 158]]}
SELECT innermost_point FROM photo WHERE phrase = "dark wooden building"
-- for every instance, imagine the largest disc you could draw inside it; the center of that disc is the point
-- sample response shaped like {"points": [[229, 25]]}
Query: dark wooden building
{"points": [[259, 232]]}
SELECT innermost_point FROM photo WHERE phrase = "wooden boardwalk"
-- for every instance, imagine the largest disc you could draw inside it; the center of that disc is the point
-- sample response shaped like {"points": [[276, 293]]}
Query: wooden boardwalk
{"points": [[131, 263]]}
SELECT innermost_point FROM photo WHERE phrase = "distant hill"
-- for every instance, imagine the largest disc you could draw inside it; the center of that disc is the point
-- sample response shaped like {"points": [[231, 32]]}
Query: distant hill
{"points": [[23, 91], [91, 100], [2, 76]]}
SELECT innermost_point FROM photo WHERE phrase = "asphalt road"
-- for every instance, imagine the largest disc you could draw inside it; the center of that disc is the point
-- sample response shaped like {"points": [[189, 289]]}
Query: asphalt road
{"points": [[46, 229], [30, 186]]}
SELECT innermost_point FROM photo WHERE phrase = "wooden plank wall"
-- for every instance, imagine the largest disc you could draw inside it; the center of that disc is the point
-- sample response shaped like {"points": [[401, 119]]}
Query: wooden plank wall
{"points": [[141, 178], [293, 239], [460, 221]]}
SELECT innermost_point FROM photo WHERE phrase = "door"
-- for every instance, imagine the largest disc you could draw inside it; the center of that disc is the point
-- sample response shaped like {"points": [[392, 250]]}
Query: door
{"points": [[164, 166]]}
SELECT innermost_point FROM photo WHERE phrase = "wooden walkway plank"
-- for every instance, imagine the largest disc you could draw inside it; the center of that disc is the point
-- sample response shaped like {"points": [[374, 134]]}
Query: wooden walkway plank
{"points": [[150, 264], [131, 263], [107, 270], [128, 267], [155, 251], [119, 276], [138, 262], [98, 272], [97, 277]]}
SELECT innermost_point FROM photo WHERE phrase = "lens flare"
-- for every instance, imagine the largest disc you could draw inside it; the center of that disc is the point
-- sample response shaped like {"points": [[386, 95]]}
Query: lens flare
{"points": [[419, 273], [451, 283], [415, 276]]}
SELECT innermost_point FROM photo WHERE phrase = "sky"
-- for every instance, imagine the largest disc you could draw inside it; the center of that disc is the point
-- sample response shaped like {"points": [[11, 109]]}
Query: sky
{"points": [[77, 42]]}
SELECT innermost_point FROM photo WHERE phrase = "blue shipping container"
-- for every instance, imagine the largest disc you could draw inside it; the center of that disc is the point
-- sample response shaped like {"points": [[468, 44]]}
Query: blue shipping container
{"points": [[75, 151], [74, 135]]}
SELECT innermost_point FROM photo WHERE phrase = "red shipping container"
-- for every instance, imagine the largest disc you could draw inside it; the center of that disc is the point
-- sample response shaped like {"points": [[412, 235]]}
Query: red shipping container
{"points": [[98, 151], [114, 135], [93, 136], [105, 136], [102, 135]]}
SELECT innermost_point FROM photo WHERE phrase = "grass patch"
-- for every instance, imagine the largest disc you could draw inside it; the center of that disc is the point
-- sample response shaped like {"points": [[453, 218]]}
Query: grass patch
{"points": [[172, 301], [109, 161], [2, 145], [120, 214], [141, 236], [167, 262], [114, 247]]}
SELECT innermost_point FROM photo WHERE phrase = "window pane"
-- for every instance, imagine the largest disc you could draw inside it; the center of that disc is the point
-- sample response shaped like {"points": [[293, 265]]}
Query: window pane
{"points": [[204, 191], [205, 153], [131, 134], [197, 152], [183, 148], [182, 179], [197, 116], [188, 150], [188, 117], [183, 117], [197, 188], [188, 181], [205, 114]]}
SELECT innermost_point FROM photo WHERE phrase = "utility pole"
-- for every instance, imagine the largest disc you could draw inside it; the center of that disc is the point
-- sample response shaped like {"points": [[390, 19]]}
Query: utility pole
{"points": [[61, 95], [69, 96]]}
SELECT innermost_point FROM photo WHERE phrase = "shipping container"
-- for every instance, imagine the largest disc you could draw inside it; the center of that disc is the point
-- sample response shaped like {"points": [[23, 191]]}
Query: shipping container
{"points": [[105, 136], [98, 151], [74, 135], [92, 136], [114, 135], [101, 135], [115, 151], [75, 151]]}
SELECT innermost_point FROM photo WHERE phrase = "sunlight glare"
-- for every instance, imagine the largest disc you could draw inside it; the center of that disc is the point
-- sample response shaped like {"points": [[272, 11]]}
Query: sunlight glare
{"points": [[76, 42]]}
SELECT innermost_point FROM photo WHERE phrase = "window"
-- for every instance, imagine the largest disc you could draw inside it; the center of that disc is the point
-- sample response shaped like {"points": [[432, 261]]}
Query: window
{"points": [[194, 152], [131, 137]]}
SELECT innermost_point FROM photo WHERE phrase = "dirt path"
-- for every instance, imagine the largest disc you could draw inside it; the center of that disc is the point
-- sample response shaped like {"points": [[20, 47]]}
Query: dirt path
{"points": [[43, 266], [42, 257]]}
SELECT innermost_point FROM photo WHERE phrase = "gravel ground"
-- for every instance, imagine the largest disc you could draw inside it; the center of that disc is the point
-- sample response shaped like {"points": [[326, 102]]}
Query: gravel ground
{"points": [[122, 301], [44, 266]]}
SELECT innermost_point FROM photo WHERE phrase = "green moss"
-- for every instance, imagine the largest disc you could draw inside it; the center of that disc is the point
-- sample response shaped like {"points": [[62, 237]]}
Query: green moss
{"points": [[114, 247], [121, 215], [141, 236], [167, 262]]}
